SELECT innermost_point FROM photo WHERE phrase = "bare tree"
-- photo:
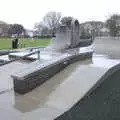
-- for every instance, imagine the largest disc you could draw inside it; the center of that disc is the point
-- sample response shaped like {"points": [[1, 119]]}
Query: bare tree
{"points": [[16, 29], [113, 23], [39, 26], [52, 21], [66, 20], [42, 29]]}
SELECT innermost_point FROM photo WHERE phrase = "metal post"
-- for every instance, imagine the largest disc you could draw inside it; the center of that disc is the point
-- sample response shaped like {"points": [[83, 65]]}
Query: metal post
{"points": [[38, 54]]}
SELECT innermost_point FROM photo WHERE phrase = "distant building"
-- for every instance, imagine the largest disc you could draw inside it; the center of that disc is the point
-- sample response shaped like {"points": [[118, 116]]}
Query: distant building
{"points": [[4, 27], [104, 32], [87, 27], [42, 33]]}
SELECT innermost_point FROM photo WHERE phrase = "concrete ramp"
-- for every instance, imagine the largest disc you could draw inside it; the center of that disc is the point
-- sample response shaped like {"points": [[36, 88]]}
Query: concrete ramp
{"points": [[102, 102]]}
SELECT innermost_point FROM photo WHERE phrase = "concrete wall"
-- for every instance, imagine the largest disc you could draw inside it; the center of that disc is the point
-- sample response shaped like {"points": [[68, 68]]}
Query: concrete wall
{"points": [[61, 41]]}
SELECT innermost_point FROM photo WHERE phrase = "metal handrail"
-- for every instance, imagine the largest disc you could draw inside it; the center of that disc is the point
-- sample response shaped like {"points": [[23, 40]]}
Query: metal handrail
{"points": [[34, 48], [19, 58]]}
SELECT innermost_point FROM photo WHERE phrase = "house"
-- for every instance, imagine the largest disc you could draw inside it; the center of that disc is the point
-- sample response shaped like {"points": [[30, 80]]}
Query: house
{"points": [[104, 32], [89, 26]]}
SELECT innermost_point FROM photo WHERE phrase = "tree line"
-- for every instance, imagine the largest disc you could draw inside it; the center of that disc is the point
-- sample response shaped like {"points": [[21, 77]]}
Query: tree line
{"points": [[52, 20]]}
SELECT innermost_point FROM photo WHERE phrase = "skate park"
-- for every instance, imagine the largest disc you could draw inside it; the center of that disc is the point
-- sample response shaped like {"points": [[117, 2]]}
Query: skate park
{"points": [[77, 72]]}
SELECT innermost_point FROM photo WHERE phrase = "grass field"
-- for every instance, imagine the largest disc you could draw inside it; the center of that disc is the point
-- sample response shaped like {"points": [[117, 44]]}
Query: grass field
{"points": [[6, 43]]}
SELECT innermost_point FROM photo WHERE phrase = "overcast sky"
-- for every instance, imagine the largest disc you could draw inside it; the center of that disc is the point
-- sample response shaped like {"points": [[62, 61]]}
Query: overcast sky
{"points": [[28, 12]]}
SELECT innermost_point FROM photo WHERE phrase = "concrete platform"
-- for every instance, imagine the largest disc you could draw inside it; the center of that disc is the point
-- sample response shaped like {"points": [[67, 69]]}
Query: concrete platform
{"points": [[6, 82], [38, 72]]}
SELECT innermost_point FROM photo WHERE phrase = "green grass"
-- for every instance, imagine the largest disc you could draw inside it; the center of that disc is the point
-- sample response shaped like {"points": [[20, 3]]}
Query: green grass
{"points": [[6, 43]]}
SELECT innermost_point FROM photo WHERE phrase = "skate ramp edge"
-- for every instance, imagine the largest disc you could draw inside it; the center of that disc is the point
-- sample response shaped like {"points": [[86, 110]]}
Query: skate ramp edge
{"points": [[74, 112]]}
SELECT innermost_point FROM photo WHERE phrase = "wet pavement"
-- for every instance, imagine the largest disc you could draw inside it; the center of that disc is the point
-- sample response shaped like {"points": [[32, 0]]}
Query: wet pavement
{"points": [[6, 82], [55, 96]]}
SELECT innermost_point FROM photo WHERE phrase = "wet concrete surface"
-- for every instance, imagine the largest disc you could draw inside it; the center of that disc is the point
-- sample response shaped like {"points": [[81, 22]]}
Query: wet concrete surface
{"points": [[5, 75], [55, 96], [108, 46], [59, 93]]}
